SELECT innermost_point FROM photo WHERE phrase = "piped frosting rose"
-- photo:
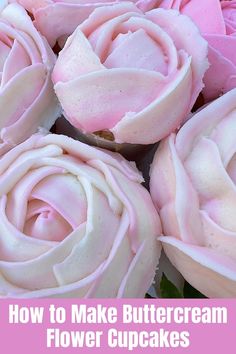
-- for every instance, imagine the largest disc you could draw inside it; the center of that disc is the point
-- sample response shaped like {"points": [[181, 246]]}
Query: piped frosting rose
{"points": [[74, 222], [193, 181], [57, 19], [27, 98], [124, 71], [217, 21]]}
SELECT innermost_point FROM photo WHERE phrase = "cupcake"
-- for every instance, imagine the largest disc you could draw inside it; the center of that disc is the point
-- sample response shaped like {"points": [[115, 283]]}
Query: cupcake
{"points": [[193, 179], [121, 72], [75, 221], [27, 98]]}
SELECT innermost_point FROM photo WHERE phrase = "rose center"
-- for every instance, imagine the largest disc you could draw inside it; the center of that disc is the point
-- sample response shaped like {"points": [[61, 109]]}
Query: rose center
{"points": [[136, 50], [45, 223]]}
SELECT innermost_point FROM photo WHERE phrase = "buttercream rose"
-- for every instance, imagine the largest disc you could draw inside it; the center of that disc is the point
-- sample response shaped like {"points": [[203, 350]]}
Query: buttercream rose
{"points": [[57, 19], [217, 21], [193, 180], [74, 222], [123, 71], [27, 98]]}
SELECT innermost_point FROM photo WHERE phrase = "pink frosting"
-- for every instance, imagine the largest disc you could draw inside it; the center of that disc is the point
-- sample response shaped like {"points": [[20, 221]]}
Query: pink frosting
{"points": [[57, 19], [217, 21], [124, 71], [193, 179], [27, 99], [75, 222]]}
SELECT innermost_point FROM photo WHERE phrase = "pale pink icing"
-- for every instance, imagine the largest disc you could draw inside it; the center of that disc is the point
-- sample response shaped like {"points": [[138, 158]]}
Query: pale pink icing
{"points": [[27, 99], [57, 19], [193, 180], [75, 222], [217, 21], [124, 71]]}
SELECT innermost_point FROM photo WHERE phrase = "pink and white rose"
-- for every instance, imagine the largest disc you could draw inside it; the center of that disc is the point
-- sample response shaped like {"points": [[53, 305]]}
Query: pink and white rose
{"points": [[57, 19], [217, 21], [75, 221], [27, 98], [193, 179], [124, 71]]}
